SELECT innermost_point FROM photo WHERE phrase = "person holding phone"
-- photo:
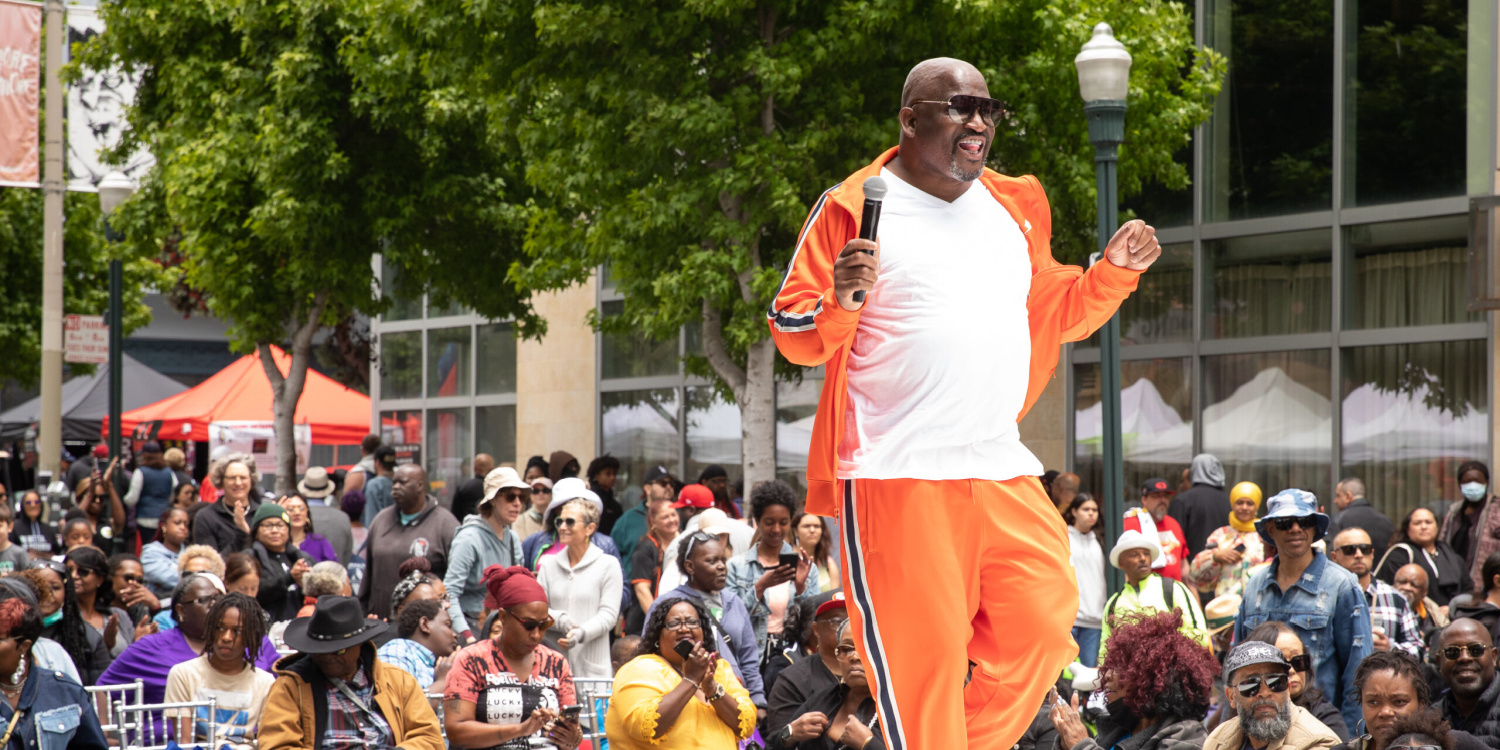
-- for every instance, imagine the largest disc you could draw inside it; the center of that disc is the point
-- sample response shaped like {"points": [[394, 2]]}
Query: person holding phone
{"points": [[1232, 553], [675, 694], [773, 573], [508, 692]]}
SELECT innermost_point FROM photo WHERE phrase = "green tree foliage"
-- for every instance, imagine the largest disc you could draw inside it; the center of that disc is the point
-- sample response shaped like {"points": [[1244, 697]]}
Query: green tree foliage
{"points": [[85, 276], [681, 142], [279, 176]]}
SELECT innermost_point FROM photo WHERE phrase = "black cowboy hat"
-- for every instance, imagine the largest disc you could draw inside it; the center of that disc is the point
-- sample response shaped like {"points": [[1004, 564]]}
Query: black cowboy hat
{"points": [[337, 623]]}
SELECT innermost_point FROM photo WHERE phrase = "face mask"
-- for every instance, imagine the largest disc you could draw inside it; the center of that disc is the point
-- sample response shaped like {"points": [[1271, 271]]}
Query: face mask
{"points": [[51, 619], [1474, 491]]}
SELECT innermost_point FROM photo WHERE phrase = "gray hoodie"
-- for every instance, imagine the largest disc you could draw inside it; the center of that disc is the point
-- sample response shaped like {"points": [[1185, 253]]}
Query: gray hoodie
{"points": [[475, 547]]}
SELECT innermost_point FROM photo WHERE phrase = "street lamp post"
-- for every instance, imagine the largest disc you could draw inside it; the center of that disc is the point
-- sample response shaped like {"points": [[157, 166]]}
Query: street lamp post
{"points": [[1104, 80], [113, 190]]}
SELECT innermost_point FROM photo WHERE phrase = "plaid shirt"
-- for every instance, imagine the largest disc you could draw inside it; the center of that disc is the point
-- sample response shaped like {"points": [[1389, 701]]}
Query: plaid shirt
{"points": [[410, 657], [1389, 610], [349, 726]]}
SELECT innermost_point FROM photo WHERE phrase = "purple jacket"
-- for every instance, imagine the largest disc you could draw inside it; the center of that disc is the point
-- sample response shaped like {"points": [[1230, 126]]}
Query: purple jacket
{"points": [[317, 547]]}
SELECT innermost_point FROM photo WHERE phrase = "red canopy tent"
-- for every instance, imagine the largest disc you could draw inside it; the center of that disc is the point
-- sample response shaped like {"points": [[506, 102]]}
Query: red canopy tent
{"points": [[242, 392]]}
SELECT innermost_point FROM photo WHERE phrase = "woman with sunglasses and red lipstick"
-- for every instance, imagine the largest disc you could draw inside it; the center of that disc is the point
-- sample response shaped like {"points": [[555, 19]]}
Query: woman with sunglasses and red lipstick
{"points": [[510, 691], [675, 694]]}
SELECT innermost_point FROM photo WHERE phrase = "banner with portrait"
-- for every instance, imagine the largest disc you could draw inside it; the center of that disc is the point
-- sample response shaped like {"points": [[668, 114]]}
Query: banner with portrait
{"points": [[96, 113]]}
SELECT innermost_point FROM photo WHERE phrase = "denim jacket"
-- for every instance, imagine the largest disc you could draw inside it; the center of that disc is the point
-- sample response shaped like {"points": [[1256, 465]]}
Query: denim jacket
{"points": [[56, 715], [1327, 610], [745, 570]]}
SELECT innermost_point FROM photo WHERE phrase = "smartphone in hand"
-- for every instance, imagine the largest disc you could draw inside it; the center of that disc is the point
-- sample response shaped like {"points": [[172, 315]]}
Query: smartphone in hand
{"points": [[788, 559], [684, 648]]}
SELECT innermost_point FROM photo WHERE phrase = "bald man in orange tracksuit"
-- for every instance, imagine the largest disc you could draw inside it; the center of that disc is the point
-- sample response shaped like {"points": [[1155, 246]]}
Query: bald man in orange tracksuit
{"points": [[953, 554]]}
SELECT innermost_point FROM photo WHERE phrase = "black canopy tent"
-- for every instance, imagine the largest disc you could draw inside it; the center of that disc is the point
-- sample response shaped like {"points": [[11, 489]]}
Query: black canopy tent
{"points": [[85, 402]]}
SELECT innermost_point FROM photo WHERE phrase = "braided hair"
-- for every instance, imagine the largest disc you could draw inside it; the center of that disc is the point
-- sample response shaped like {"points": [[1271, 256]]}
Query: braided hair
{"points": [[414, 572], [657, 622], [253, 623], [70, 632]]}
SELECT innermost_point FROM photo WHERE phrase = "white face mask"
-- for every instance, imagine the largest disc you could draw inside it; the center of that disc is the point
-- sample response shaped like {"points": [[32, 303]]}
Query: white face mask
{"points": [[1474, 491]]}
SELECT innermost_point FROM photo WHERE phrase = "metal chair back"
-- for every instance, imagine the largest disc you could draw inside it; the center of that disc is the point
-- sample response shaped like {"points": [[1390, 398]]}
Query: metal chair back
{"points": [[150, 726], [436, 699], [593, 695], [103, 698]]}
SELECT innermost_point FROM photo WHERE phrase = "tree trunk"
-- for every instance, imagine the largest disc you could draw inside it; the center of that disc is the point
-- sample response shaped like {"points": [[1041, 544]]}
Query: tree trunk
{"points": [[286, 391], [758, 414]]}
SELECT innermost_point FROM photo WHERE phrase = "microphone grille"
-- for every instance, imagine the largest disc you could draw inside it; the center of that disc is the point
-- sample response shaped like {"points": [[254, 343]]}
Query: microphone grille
{"points": [[875, 188]]}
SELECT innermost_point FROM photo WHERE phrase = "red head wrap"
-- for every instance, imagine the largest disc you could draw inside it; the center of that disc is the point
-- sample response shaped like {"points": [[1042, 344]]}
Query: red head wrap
{"points": [[511, 586]]}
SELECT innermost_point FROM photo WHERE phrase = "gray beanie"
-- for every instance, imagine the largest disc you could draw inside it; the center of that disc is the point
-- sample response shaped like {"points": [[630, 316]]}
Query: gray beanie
{"points": [[1249, 653]]}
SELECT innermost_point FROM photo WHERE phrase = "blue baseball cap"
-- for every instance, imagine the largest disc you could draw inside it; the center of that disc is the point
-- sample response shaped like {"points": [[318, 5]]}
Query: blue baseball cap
{"points": [[1292, 503]]}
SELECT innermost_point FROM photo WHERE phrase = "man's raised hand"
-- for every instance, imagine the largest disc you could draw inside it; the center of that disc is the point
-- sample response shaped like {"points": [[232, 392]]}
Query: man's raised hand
{"points": [[1134, 246]]}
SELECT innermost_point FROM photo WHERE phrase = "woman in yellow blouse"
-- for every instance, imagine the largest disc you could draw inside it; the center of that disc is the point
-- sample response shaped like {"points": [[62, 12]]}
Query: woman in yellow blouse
{"points": [[661, 700]]}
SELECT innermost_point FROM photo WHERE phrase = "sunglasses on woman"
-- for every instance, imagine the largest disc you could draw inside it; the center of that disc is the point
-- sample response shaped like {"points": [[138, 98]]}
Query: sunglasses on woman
{"points": [[565, 523], [1276, 683], [961, 108], [531, 626], [1300, 662]]}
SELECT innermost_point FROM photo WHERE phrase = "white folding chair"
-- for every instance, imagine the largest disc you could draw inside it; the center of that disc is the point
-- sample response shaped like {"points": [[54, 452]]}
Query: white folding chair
{"points": [[151, 726], [104, 697], [593, 695]]}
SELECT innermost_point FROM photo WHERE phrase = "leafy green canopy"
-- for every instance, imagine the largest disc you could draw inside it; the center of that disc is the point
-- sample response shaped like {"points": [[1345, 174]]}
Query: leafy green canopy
{"points": [[681, 143]]}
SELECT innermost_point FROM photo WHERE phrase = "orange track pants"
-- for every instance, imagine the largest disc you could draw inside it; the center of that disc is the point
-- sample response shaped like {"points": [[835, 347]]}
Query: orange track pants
{"points": [[939, 574]]}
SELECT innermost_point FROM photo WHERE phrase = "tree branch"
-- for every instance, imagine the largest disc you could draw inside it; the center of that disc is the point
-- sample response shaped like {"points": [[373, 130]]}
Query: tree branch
{"points": [[717, 353]]}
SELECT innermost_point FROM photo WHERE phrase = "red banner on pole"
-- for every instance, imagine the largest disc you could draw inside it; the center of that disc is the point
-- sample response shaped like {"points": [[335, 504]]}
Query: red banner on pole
{"points": [[20, 93]]}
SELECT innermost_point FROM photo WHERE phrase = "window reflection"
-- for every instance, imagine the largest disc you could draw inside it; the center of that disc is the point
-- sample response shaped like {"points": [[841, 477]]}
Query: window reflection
{"points": [[401, 427], [1405, 117], [495, 432], [1268, 284], [1268, 418], [713, 434], [640, 429], [448, 362], [448, 452], [401, 365], [633, 355], [404, 304], [1408, 273], [1156, 411], [1411, 414], [496, 350], [796, 403], [1270, 142]]}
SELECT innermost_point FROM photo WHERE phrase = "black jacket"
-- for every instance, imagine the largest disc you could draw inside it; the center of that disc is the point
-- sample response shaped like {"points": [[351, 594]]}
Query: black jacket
{"points": [[279, 595], [612, 508], [792, 688], [1362, 515], [215, 526], [1447, 575], [828, 701], [1483, 722], [1200, 511], [466, 498]]}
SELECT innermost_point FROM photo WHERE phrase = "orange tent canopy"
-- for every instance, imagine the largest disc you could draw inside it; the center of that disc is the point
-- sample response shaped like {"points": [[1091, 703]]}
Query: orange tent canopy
{"points": [[242, 392]]}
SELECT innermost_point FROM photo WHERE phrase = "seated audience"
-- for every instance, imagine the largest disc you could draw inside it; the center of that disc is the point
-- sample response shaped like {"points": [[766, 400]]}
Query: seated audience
{"points": [[242, 573], [1392, 687], [840, 715], [424, 642], [1425, 729], [623, 650], [333, 693], [32, 531], [62, 622], [1412, 582], [1471, 700], [417, 581], [757, 576], [96, 599], [39, 693], [323, 579], [315, 547], [281, 564], [160, 557], [510, 690], [28, 586], [1157, 682], [1257, 685], [663, 700], [226, 672], [128, 581], [819, 670], [1304, 695]]}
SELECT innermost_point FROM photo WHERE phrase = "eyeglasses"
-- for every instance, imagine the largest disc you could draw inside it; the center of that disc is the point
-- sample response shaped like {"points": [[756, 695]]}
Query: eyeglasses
{"points": [[844, 652], [961, 108], [565, 522], [273, 525], [1300, 662], [531, 625], [1350, 550], [1306, 522], [1276, 683], [1475, 650], [207, 602], [540, 491], [682, 624]]}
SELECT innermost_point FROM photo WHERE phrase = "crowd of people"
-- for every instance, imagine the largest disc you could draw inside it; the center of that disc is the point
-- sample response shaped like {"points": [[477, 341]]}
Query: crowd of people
{"points": [[362, 609]]}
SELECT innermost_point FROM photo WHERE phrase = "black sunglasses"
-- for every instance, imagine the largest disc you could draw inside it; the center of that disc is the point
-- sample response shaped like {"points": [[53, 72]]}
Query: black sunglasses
{"points": [[1306, 522], [1300, 662], [961, 108], [1475, 650], [540, 491], [1351, 550], [568, 522], [1276, 683], [52, 565], [532, 625]]}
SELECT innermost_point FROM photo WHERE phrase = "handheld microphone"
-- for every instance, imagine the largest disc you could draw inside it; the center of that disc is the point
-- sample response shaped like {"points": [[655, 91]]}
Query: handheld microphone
{"points": [[869, 222]]}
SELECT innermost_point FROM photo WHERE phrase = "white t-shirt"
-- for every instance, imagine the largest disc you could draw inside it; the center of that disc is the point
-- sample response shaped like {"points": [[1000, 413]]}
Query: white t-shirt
{"points": [[941, 359], [239, 699]]}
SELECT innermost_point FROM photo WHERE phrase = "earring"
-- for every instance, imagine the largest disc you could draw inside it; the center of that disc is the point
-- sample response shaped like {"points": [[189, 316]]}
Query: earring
{"points": [[20, 674]]}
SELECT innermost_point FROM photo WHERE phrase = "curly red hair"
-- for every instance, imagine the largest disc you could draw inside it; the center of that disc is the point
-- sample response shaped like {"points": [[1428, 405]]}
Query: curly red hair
{"points": [[12, 612], [1162, 673]]}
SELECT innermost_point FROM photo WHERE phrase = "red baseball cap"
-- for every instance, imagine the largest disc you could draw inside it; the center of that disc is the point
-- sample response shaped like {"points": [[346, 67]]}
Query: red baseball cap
{"points": [[694, 496], [834, 602]]}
